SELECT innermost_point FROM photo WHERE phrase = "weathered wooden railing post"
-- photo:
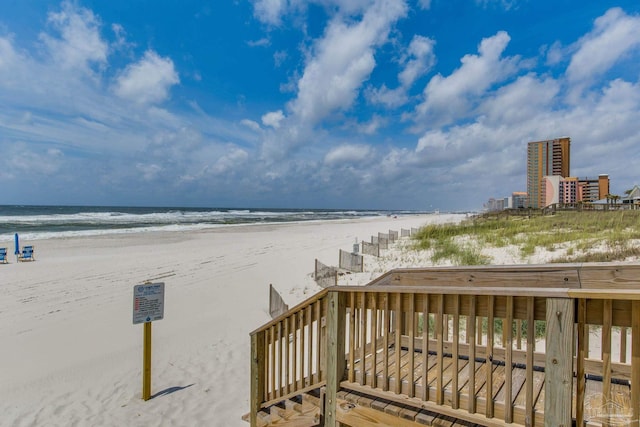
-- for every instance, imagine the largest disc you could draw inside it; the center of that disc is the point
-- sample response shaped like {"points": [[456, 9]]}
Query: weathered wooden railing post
{"points": [[335, 359], [257, 375], [558, 376]]}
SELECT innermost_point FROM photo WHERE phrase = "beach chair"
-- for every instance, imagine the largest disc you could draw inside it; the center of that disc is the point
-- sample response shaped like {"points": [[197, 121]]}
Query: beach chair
{"points": [[3, 255], [27, 254]]}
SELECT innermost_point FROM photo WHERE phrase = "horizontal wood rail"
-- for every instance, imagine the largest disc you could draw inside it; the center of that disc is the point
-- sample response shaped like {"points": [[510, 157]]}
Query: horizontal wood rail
{"points": [[525, 345]]}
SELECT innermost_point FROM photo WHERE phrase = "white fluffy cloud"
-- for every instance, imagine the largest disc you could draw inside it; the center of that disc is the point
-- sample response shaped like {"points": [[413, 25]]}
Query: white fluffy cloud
{"points": [[449, 98], [420, 60], [347, 154], [342, 60], [250, 124], [147, 81], [269, 11], [69, 64], [416, 62], [614, 35], [372, 126], [520, 100], [232, 159], [391, 98], [79, 44], [273, 119]]}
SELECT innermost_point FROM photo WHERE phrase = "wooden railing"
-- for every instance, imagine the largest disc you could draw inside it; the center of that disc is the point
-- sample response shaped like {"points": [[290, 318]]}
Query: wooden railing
{"points": [[529, 345]]}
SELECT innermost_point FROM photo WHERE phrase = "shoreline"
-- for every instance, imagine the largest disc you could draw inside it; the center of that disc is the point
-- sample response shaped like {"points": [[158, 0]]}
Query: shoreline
{"points": [[72, 355], [172, 228]]}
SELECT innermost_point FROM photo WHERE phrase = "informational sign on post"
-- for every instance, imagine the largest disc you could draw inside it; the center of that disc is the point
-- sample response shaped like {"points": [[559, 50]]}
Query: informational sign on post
{"points": [[148, 305], [148, 302]]}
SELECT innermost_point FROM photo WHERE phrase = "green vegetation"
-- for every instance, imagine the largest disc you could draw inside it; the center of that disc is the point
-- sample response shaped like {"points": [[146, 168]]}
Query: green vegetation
{"points": [[459, 254], [586, 236]]}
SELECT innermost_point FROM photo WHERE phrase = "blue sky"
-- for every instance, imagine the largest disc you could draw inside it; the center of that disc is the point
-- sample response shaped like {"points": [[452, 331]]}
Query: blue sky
{"points": [[383, 104]]}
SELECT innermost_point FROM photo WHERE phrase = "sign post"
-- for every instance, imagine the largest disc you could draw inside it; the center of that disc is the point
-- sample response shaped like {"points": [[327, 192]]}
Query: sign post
{"points": [[148, 305]]}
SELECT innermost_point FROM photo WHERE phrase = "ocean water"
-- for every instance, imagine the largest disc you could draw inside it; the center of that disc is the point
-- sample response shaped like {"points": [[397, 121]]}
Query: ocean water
{"points": [[44, 222]]}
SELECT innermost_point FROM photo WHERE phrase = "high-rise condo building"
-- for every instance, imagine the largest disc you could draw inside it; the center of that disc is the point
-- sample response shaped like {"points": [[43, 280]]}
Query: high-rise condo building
{"points": [[545, 158]]}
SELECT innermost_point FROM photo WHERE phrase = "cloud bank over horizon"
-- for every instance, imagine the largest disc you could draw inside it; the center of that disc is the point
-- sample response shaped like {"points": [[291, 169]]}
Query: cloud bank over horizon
{"points": [[319, 103]]}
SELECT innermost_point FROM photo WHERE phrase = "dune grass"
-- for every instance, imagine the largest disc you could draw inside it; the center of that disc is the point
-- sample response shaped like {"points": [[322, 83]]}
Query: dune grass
{"points": [[459, 254], [587, 236]]}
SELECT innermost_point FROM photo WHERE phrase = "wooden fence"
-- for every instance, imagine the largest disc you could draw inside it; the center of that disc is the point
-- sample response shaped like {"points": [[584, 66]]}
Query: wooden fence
{"points": [[383, 243], [277, 305], [370, 249], [325, 275], [351, 262]]}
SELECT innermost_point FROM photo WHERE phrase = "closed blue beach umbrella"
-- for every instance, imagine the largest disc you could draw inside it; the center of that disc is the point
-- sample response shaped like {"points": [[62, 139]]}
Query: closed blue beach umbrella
{"points": [[17, 243]]}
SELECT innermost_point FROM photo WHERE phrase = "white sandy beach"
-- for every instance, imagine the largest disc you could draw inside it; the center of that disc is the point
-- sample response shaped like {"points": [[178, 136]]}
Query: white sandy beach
{"points": [[70, 355]]}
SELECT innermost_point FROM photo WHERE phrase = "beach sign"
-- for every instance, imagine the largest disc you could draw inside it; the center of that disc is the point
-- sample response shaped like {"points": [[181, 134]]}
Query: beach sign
{"points": [[148, 305], [148, 302]]}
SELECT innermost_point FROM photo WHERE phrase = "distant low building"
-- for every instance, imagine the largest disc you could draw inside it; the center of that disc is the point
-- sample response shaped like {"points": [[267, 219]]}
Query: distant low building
{"points": [[520, 199], [569, 190], [495, 205], [517, 200], [633, 197]]}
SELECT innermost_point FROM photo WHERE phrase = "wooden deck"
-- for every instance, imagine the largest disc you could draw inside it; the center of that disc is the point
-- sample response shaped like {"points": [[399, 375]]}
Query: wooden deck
{"points": [[457, 346]]}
